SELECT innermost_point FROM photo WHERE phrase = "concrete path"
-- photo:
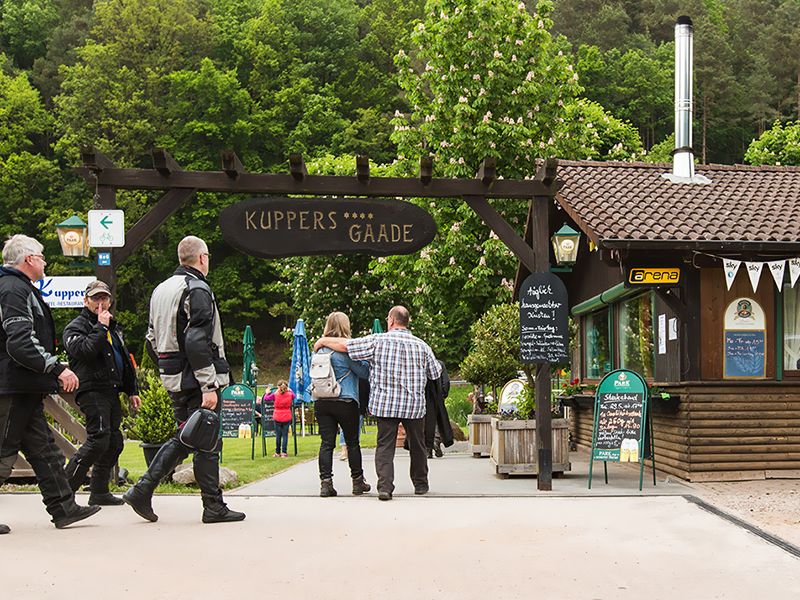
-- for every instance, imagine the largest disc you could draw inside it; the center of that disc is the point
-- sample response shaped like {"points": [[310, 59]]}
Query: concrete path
{"points": [[475, 536], [410, 548], [459, 474]]}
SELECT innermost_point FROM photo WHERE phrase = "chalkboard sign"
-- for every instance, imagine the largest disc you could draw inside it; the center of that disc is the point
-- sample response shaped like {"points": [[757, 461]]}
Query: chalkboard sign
{"points": [[543, 319], [745, 356], [238, 402], [620, 409], [267, 420]]}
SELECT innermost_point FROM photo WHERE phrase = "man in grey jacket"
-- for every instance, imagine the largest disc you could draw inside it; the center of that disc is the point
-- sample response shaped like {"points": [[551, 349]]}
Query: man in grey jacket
{"points": [[185, 336], [29, 370]]}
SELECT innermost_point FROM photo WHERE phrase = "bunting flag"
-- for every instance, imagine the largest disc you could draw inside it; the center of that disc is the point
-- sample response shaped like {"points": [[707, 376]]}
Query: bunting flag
{"points": [[794, 269], [731, 268], [777, 267], [754, 271]]}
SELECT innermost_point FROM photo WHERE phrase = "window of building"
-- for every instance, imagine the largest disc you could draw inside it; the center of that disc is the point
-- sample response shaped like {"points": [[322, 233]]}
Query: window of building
{"points": [[636, 335], [598, 348], [791, 328]]}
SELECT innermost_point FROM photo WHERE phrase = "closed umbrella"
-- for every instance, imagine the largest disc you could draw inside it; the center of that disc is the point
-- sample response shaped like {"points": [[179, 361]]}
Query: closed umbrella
{"points": [[299, 376], [249, 368], [249, 372], [376, 326]]}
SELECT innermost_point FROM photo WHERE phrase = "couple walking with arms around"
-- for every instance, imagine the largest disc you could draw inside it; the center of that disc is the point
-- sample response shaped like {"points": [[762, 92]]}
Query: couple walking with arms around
{"points": [[400, 364]]}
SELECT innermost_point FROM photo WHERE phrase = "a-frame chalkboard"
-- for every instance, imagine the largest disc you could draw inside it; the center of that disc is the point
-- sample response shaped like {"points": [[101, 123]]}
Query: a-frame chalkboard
{"points": [[623, 426]]}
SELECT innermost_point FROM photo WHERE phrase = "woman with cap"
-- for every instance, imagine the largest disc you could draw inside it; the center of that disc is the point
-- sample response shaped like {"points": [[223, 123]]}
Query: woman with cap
{"points": [[97, 354]]}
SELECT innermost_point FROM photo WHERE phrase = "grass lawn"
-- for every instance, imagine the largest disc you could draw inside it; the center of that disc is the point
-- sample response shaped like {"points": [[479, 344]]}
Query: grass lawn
{"points": [[236, 456]]}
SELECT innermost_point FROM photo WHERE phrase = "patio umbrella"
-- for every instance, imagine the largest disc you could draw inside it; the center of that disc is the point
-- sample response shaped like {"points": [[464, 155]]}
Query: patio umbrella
{"points": [[299, 376], [376, 326], [249, 371], [249, 368]]}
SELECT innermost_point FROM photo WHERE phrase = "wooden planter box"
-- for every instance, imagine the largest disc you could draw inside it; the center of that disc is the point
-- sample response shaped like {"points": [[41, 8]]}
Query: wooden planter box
{"points": [[480, 434], [513, 450]]}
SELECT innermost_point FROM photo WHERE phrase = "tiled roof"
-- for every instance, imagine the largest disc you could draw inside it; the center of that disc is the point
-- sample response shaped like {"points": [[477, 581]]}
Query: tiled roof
{"points": [[632, 201]]}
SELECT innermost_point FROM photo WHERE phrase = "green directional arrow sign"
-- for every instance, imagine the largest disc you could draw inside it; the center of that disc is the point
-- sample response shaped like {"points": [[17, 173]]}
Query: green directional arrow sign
{"points": [[105, 221]]}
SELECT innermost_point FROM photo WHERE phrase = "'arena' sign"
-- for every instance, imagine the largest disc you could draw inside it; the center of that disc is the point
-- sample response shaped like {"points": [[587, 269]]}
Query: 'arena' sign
{"points": [[274, 227]]}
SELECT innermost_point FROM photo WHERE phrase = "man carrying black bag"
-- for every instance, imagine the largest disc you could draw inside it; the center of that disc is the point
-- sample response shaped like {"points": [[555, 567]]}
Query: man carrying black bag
{"points": [[185, 334], [103, 364]]}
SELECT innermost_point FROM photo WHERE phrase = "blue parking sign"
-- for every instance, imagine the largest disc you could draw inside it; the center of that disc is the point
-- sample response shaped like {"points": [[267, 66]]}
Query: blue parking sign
{"points": [[104, 259]]}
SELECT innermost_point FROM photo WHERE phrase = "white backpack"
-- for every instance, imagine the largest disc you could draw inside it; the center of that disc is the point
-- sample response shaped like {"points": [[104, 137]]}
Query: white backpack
{"points": [[323, 378]]}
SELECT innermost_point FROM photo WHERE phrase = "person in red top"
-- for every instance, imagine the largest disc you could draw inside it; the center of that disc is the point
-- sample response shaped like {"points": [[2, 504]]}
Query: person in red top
{"points": [[283, 398]]}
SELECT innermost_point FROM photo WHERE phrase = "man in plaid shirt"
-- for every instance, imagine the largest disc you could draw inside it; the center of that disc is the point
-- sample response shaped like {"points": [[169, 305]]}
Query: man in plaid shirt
{"points": [[400, 365]]}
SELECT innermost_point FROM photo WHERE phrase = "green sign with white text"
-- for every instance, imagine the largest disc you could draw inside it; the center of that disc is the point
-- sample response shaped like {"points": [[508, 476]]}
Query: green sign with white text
{"points": [[620, 409]]}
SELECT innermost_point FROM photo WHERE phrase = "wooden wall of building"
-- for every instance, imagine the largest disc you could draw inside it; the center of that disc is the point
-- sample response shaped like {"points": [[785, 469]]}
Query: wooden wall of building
{"points": [[721, 432], [714, 298]]}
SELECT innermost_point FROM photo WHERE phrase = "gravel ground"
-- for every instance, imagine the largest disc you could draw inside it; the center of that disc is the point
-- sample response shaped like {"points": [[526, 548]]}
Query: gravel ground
{"points": [[772, 504]]}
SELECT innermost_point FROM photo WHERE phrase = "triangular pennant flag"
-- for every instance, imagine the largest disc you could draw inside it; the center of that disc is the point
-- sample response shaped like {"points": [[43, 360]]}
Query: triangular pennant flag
{"points": [[731, 268], [754, 271], [794, 269], [776, 267]]}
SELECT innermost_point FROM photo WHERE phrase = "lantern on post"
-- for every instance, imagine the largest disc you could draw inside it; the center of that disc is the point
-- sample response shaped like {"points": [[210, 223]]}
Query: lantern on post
{"points": [[73, 236], [565, 245]]}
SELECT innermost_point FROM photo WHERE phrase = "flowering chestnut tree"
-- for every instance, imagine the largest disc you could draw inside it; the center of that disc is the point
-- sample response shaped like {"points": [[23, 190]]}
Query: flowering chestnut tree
{"points": [[485, 78]]}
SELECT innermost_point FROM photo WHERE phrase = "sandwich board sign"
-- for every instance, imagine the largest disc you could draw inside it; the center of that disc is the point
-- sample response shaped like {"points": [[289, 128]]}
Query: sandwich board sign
{"points": [[238, 404], [623, 427]]}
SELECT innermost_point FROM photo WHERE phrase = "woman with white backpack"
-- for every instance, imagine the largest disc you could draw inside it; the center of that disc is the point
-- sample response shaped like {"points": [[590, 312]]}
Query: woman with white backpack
{"points": [[334, 386]]}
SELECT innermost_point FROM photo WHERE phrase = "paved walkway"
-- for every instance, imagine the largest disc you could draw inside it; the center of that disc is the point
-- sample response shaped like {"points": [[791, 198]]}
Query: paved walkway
{"points": [[469, 539], [459, 474]]}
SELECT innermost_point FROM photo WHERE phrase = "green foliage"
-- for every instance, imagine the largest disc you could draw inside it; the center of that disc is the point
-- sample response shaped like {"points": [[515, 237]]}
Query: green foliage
{"points": [[24, 28], [779, 145], [22, 116], [155, 421], [493, 357], [458, 405]]}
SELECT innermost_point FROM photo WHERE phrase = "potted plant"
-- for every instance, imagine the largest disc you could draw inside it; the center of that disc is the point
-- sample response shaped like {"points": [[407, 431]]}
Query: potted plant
{"points": [[514, 448], [492, 360], [155, 421]]}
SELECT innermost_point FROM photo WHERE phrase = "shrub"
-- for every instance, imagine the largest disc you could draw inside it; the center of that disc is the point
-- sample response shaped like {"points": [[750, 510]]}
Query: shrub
{"points": [[155, 421]]}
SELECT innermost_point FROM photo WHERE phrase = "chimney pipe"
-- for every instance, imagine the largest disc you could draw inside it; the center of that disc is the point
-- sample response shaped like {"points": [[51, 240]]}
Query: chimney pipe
{"points": [[683, 155]]}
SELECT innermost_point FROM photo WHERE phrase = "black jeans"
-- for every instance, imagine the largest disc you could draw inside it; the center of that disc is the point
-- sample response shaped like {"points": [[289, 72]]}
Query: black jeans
{"points": [[332, 414], [282, 436], [173, 452], [104, 441], [24, 427], [384, 452]]}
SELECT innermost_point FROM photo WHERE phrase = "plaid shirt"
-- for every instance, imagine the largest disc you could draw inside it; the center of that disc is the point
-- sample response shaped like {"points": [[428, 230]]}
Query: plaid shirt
{"points": [[400, 365]]}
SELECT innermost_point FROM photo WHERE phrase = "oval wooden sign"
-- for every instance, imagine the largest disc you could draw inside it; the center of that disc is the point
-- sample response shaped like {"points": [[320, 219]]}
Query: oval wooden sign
{"points": [[275, 227]]}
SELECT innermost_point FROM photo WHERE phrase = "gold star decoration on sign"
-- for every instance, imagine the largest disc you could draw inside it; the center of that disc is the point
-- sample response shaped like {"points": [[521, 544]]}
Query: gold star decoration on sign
{"points": [[369, 216], [346, 215]]}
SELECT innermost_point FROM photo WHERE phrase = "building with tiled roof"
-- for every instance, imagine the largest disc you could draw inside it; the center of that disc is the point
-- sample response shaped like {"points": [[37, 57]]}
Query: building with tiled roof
{"points": [[724, 340]]}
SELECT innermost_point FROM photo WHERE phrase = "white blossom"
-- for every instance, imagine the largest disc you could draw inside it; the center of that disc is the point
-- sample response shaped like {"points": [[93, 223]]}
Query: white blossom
{"points": [[482, 261], [452, 260], [462, 99], [498, 54]]}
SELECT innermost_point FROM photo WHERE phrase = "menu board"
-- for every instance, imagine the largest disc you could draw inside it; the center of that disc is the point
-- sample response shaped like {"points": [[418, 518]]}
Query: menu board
{"points": [[237, 409], [267, 420], [745, 356], [620, 410], [543, 319]]}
